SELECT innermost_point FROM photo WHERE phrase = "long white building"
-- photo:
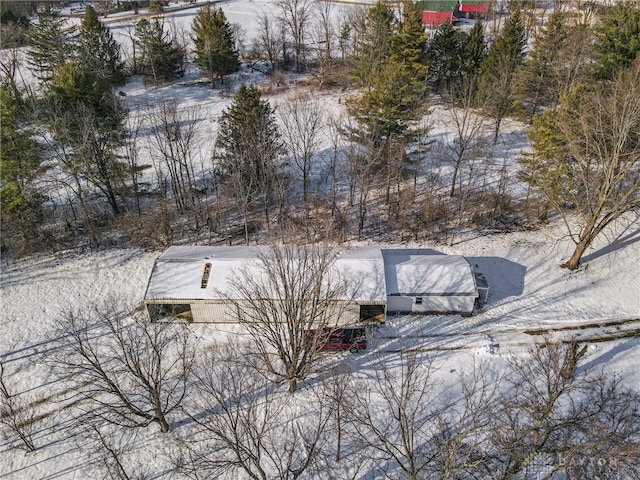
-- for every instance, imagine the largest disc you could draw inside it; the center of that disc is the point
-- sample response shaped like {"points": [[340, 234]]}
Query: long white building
{"points": [[195, 283]]}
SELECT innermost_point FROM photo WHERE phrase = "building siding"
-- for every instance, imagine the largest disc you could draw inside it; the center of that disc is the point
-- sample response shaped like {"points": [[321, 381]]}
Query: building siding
{"points": [[431, 304], [392, 279]]}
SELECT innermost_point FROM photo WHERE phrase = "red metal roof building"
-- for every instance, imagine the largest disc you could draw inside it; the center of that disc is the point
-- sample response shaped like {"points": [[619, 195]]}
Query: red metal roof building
{"points": [[437, 12]]}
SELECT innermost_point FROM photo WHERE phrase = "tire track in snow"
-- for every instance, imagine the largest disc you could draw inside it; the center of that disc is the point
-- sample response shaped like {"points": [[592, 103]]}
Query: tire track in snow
{"points": [[586, 333]]}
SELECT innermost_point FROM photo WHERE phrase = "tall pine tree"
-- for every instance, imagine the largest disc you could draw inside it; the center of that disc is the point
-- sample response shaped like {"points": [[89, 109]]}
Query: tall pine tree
{"points": [[395, 89], [372, 44], [246, 149], [20, 165], [50, 43], [474, 51], [408, 45], [538, 83], [19, 159], [445, 56], [158, 55], [214, 41], [499, 69], [617, 43], [97, 50]]}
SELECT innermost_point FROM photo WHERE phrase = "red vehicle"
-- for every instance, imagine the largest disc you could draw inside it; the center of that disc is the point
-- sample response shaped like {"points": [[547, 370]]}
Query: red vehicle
{"points": [[353, 339]]}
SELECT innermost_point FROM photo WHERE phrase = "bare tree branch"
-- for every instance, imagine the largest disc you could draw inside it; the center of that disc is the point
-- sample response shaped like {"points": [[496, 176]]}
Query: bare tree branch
{"points": [[137, 372], [291, 291]]}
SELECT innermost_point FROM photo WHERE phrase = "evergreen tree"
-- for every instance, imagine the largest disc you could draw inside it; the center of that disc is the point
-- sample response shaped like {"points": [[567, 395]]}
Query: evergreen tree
{"points": [[247, 148], [50, 43], [98, 52], [538, 82], [20, 202], [395, 95], [474, 51], [393, 100], [86, 116], [73, 85], [159, 55], [408, 44], [19, 160], [498, 70], [214, 41], [617, 42], [445, 54], [396, 89], [372, 43]]}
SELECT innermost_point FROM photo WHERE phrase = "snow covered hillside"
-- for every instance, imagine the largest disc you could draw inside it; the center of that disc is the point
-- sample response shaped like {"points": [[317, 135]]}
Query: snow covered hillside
{"points": [[530, 296], [531, 300]]}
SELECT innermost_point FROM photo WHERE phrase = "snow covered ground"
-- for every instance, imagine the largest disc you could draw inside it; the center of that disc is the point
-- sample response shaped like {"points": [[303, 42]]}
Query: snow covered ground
{"points": [[530, 296]]}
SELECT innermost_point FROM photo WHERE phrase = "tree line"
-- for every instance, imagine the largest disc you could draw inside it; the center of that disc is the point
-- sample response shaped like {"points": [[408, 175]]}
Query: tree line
{"points": [[72, 172]]}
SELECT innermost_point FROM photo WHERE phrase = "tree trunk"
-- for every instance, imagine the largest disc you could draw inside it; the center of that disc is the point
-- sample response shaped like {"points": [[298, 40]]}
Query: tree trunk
{"points": [[456, 168], [162, 421], [111, 197], [574, 262], [587, 235], [293, 385], [246, 230], [496, 132], [88, 221]]}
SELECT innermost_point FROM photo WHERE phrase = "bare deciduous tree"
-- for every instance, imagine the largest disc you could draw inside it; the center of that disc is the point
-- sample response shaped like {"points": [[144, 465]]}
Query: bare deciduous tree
{"points": [[302, 117], [137, 372], [132, 149], [294, 16], [109, 449], [174, 142], [410, 424], [71, 177], [470, 127], [460, 433], [289, 292], [323, 36], [246, 426], [17, 417], [557, 417], [392, 415], [269, 40], [587, 156], [365, 161]]}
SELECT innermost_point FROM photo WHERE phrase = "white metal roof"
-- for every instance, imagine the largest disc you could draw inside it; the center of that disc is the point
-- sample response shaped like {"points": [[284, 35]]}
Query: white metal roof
{"points": [[411, 272], [363, 271], [178, 273], [370, 273]]}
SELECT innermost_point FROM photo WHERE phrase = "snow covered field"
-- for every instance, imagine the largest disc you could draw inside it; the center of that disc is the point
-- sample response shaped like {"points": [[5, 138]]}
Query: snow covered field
{"points": [[530, 296]]}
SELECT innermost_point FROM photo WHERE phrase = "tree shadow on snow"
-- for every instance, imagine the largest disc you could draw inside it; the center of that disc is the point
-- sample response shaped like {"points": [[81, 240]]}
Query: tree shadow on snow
{"points": [[619, 243]]}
